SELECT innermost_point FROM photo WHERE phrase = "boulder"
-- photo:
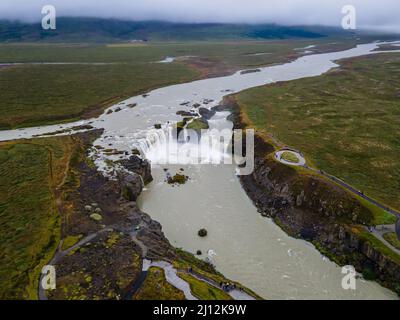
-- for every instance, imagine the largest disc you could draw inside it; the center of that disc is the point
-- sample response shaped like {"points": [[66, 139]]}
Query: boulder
{"points": [[186, 113], [96, 217], [250, 71], [140, 166], [202, 233], [131, 186], [206, 113]]}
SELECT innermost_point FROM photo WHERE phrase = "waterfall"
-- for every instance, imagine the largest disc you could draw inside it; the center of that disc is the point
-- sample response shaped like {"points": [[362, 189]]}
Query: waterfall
{"points": [[161, 146]]}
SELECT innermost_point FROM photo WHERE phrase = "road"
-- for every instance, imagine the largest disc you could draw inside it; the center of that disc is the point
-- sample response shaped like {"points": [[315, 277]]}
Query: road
{"points": [[302, 163], [355, 191]]}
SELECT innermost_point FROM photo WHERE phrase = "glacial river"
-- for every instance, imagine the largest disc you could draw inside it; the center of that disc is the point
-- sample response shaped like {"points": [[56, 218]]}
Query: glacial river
{"points": [[247, 247]]}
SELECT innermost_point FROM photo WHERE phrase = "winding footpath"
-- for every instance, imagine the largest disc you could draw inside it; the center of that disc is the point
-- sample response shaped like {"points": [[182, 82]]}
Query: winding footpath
{"points": [[171, 277]]}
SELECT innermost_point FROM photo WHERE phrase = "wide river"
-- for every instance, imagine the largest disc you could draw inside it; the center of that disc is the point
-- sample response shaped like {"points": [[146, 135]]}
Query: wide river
{"points": [[247, 247]]}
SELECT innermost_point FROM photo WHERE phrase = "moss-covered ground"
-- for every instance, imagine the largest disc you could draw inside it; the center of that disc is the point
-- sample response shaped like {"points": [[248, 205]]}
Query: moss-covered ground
{"points": [[346, 122]]}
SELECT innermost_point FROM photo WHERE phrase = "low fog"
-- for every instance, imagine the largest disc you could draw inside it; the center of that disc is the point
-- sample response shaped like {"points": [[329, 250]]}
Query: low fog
{"points": [[371, 14]]}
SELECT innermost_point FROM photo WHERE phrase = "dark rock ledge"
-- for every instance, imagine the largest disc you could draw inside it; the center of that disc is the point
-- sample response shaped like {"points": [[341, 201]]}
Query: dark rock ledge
{"points": [[316, 210]]}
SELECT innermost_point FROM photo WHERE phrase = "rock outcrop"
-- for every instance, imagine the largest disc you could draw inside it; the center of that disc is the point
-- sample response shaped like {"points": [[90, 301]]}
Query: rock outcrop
{"points": [[206, 114], [141, 167], [106, 265], [308, 207]]}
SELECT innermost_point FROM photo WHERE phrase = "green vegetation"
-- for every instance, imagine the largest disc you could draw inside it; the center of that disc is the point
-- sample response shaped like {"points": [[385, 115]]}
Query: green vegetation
{"points": [[379, 245], [156, 287], [29, 221], [380, 216], [198, 124], [35, 95], [203, 290], [289, 157], [96, 217], [345, 121], [42, 94], [188, 260], [369, 274], [178, 179], [69, 241], [391, 237]]}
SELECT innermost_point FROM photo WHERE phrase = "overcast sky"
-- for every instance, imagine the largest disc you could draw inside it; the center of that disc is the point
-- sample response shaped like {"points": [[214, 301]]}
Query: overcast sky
{"points": [[375, 14]]}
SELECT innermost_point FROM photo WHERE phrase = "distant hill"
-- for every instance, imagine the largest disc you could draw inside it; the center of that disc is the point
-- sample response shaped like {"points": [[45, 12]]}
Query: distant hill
{"points": [[106, 30]]}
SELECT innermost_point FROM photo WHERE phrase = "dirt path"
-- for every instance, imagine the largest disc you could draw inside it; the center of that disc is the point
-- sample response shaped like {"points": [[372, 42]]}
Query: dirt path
{"points": [[171, 277], [379, 231]]}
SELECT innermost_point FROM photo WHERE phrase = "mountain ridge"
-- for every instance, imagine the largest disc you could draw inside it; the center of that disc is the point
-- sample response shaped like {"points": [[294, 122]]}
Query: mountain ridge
{"points": [[104, 30]]}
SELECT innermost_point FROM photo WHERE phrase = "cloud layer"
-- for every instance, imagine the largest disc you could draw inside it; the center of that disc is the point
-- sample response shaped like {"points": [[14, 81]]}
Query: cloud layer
{"points": [[380, 15]]}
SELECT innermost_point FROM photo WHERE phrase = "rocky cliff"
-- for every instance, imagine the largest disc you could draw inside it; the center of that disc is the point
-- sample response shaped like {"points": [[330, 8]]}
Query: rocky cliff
{"points": [[312, 208]]}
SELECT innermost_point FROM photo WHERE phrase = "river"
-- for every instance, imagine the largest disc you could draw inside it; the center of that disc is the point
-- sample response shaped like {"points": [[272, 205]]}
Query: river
{"points": [[248, 248]]}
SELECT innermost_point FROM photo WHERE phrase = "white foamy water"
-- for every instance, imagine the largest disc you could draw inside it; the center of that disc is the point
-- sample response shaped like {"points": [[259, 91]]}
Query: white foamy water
{"points": [[167, 60], [249, 248]]}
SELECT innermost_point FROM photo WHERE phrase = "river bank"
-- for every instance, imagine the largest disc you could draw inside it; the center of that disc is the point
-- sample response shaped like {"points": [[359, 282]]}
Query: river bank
{"points": [[312, 208]]}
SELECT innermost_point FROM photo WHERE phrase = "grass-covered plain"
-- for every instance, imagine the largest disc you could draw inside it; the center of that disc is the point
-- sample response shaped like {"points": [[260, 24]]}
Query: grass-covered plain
{"points": [[29, 221], [346, 122], [34, 94], [289, 157]]}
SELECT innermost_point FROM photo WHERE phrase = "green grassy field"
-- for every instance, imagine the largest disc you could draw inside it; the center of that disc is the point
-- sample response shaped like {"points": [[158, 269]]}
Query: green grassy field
{"points": [[42, 94], [35, 95], [29, 221], [346, 122]]}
